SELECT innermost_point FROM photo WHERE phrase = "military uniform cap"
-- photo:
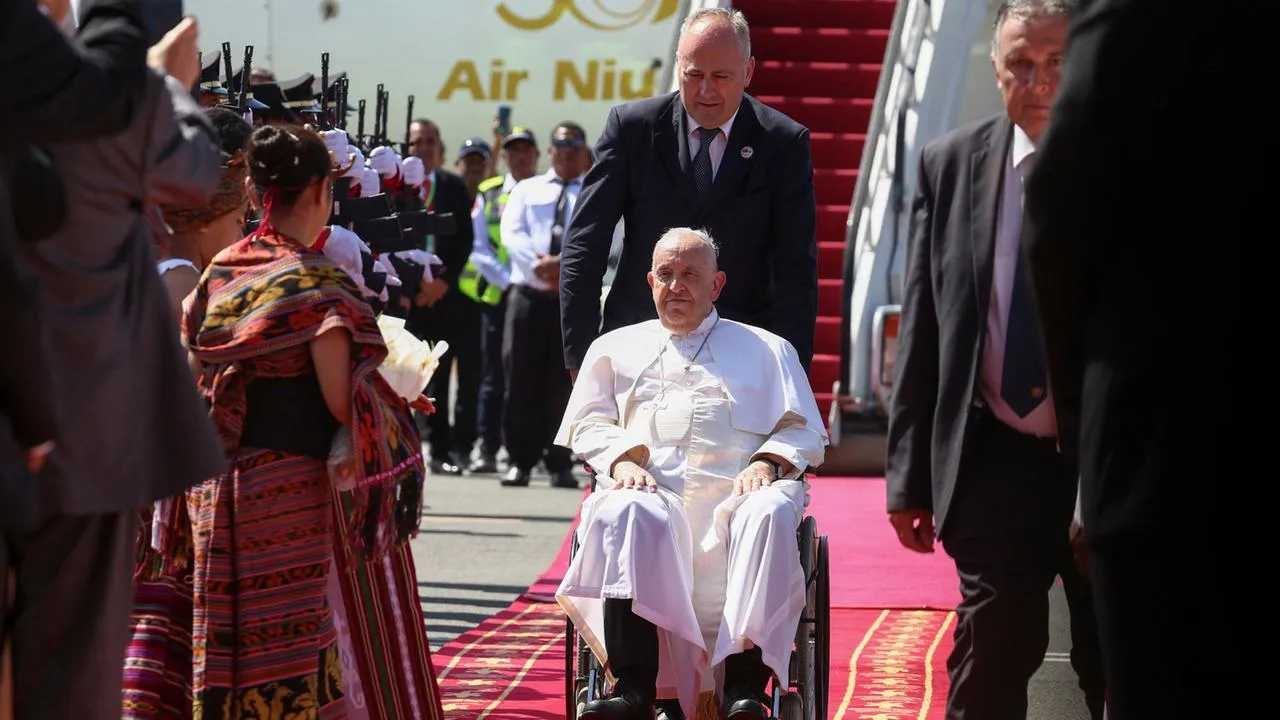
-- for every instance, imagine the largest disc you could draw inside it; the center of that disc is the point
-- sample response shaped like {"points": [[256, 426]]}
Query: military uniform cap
{"points": [[298, 97]]}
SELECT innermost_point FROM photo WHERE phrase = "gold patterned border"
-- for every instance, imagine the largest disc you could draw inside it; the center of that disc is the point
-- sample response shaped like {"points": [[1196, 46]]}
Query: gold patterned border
{"points": [[891, 670], [481, 675]]}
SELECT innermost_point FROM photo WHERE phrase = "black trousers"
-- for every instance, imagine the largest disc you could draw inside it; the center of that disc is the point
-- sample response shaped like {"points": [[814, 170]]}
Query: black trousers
{"points": [[537, 383], [69, 623], [493, 318], [1008, 534], [451, 430]]}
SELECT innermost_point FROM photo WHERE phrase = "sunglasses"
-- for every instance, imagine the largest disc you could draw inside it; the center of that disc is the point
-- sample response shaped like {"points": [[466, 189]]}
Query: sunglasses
{"points": [[568, 143]]}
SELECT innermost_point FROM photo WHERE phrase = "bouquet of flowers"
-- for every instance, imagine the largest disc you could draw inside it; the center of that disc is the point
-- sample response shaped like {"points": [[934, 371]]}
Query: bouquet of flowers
{"points": [[410, 362]]}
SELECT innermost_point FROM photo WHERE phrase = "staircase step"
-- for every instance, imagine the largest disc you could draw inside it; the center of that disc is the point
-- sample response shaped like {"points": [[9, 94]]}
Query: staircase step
{"points": [[830, 296], [830, 255], [826, 44], [833, 223], [826, 336], [819, 79], [834, 187], [823, 372], [819, 114], [836, 150], [819, 13]]}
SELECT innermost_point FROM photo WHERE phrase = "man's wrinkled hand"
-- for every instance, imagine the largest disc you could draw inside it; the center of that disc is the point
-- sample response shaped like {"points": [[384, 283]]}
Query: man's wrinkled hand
{"points": [[177, 53], [757, 475], [547, 268], [630, 476], [1079, 548], [914, 529]]}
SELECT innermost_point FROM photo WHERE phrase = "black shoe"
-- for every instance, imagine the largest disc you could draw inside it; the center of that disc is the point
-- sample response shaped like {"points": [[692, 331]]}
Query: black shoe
{"points": [[483, 464], [445, 467], [624, 706], [516, 478], [670, 710], [744, 704], [564, 479]]}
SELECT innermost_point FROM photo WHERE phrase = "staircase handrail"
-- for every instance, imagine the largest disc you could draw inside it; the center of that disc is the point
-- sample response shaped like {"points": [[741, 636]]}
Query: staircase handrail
{"points": [[896, 54]]}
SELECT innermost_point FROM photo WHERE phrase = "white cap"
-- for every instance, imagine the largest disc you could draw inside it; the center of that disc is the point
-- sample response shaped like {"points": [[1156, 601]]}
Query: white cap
{"points": [[370, 183], [414, 172], [385, 161]]}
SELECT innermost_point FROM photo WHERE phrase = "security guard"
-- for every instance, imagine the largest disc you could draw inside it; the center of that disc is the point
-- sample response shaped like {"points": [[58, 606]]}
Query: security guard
{"points": [[485, 280]]}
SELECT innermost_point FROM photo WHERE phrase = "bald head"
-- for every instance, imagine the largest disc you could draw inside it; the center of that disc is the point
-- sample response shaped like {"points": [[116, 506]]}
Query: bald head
{"points": [[685, 278]]}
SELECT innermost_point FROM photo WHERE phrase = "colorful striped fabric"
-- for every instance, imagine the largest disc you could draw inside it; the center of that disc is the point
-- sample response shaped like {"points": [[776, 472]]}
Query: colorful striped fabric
{"points": [[264, 644], [384, 638], [157, 667]]}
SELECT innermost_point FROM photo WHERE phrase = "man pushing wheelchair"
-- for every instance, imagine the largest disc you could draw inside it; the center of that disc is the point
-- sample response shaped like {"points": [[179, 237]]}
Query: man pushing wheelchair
{"points": [[687, 579]]}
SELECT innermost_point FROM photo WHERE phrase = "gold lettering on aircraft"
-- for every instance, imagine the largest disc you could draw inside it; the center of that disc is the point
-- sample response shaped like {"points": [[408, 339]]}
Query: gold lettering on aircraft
{"points": [[600, 16], [589, 80]]}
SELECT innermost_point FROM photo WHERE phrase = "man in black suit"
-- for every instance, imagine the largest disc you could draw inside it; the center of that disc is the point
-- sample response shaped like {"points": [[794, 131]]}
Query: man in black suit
{"points": [[1136, 332], [724, 163], [972, 442], [442, 312], [71, 90]]}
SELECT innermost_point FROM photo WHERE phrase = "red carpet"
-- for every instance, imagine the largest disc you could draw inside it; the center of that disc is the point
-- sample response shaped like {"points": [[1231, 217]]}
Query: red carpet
{"points": [[869, 569], [890, 627]]}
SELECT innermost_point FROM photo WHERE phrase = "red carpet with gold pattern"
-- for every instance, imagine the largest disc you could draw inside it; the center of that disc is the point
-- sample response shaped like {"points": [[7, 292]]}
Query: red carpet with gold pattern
{"points": [[888, 660]]}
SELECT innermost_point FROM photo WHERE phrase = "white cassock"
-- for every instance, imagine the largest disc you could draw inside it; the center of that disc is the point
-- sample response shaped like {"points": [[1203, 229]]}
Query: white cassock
{"points": [[712, 571]]}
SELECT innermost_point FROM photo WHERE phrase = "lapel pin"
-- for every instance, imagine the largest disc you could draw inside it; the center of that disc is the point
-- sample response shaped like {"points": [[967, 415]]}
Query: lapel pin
{"points": [[747, 152]]}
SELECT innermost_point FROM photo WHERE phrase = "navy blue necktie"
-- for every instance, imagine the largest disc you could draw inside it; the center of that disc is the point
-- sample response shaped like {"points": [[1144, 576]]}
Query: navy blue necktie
{"points": [[702, 175], [1025, 380]]}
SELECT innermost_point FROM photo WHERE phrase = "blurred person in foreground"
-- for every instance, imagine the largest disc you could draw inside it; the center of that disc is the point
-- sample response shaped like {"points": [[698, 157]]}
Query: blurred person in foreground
{"points": [[129, 430], [701, 430], [1121, 227]]}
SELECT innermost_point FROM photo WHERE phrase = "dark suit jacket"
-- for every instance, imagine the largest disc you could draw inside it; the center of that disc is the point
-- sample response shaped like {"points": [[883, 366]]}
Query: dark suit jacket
{"points": [[131, 427], [80, 89], [944, 313], [760, 210], [1151, 298], [451, 196]]}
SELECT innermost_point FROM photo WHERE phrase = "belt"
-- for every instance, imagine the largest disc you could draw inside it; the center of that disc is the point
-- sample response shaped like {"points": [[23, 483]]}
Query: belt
{"points": [[534, 293]]}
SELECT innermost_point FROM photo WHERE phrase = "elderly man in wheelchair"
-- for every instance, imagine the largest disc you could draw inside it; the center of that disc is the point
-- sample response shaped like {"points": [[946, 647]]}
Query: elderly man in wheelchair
{"points": [[687, 581]]}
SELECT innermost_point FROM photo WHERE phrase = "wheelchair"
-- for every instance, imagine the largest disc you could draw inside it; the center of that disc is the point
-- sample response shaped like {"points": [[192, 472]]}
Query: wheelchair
{"points": [[805, 698]]}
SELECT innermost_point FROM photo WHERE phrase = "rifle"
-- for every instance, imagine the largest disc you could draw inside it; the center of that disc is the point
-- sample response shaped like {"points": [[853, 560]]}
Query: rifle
{"points": [[324, 92]]}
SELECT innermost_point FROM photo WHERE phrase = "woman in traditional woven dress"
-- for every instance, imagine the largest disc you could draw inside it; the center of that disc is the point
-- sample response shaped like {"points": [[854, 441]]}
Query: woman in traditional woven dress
{"points": [[157, 668], [287, 354]]}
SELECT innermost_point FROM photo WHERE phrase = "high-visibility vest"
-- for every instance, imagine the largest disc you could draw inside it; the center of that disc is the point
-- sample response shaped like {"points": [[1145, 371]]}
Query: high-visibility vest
{"points": [[471, 282]]}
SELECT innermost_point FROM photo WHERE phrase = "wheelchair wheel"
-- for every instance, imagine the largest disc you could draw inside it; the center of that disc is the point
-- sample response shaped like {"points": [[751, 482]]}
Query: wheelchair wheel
{"points": [[822, 671], [805, 667]]}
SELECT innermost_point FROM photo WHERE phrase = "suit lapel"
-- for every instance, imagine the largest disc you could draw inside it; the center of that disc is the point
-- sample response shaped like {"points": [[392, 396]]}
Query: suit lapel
{"points": [[673, 147], [986, 178], [733, 165]]}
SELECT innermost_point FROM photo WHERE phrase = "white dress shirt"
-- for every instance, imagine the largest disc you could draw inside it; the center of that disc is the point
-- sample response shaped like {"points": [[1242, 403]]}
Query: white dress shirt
{"points": [[1041, 422], [718, 145], [527, 222], [483, 254]]}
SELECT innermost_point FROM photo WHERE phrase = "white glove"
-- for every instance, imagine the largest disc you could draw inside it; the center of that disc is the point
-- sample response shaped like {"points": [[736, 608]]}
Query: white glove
{"points": [[385, 161], [370, 183], [413, 171], [356, 158]]}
